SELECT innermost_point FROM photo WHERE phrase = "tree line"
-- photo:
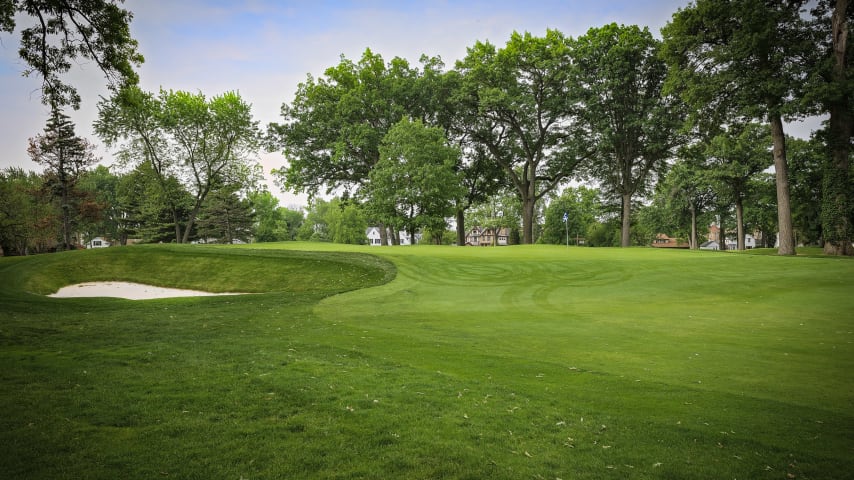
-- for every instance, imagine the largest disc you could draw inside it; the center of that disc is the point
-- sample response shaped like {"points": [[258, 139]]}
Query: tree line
{"points": [[672, 131]]}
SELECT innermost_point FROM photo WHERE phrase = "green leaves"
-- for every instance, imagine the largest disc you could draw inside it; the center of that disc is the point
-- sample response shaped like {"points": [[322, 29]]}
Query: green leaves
{"points": [[414, 183], [64, 31]]}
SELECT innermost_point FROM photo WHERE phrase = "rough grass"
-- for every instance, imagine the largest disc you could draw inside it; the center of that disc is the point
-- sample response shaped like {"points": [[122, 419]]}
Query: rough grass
{"points": [[518, 362]]}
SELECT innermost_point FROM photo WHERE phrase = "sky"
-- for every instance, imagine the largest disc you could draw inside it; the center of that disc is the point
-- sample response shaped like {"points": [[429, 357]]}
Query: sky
{"points": [[264, 48]]}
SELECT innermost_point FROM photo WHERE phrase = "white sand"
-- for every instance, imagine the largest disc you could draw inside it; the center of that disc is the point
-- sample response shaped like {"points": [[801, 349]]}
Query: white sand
{"points": [[130, 291]]}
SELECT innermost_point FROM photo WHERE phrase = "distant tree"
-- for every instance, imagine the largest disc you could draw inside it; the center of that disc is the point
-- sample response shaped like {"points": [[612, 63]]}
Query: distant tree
{"points": [[27, 222], [737, 60], [61, 32], [225, 217], [733, 158], [633, 122], [65, 157], [414, 184], [519, 104], [315, 227], [204, 143], [269, 221], [684, 194], [581, 207], [346, 222], [760, 210], [502, 210], [806, 171]]}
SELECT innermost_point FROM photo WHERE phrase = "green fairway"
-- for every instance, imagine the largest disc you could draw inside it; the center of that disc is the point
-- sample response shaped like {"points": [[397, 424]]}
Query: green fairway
{"points": [[429, 362]]}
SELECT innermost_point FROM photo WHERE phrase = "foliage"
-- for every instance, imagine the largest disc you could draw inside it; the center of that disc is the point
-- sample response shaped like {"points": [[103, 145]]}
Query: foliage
{"points": [[733, 158], [733, 61], [205, 144], [272, 222], [414, 184], [633, 123], [66, 32], [581, 207], [337, 220], [28, 220], [65, 157], [225, 218], [332, 131], [519, 104], [831, 90]]}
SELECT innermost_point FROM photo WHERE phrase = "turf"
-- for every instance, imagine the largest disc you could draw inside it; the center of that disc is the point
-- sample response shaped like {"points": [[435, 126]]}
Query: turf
{"points": [[517, 362]]}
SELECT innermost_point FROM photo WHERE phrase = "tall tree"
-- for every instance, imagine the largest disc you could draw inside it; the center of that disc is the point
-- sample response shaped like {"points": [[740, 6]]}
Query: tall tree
{"points": [[414, 184], [832, 91], [64, 31], [65, 156], [518, 103], [204, 143], [633, 123], [734, 60], [332, 130]]}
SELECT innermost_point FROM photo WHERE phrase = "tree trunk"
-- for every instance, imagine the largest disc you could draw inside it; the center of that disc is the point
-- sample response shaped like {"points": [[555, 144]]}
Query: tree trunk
{"points": [[739, 223], [784, 210], [461, 227], [383, 234], [692, 242], [625, 230], [722, 233], [528, 219], [836, 204]]}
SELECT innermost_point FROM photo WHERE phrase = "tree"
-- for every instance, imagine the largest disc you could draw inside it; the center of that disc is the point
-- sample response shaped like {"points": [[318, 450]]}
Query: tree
{"points": [[203, 143], [225, 217], [332, 130], [736, 60], [633, 123], [519, 104], [27, 222], [64, 31], [501, 210], [100, 188], [414, 184], [580, 205], [346, 222], [733, 159], [807, 160], [270, 222], [685, 193], [65, 156], [832, 89]]}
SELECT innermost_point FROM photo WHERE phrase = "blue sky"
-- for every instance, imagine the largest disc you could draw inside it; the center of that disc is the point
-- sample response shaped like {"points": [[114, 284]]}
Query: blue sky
{"points": [[264, 48]]}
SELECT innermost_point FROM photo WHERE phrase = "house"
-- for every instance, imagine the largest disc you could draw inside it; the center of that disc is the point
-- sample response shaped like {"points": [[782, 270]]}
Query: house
{"points": [[375, 240], [730, 242], [373, 234], [479, 236], [710, 245], [663, 241], [98, 242]]}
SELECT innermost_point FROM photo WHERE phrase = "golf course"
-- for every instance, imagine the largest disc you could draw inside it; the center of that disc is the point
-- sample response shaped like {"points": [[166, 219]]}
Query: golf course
{"points": [[427, 362]]}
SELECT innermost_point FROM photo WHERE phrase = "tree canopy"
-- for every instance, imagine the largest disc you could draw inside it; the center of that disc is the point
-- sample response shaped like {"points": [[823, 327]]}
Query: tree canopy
{"points": [[63, 31]]}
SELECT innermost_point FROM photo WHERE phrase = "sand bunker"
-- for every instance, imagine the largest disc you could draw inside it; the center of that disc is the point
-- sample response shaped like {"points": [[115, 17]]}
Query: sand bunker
{"points": [[130, 291]]}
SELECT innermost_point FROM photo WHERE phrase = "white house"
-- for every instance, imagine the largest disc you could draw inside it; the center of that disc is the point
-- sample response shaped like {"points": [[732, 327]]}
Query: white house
{"points": [[374, 239], [98, 242], [373, 234]]}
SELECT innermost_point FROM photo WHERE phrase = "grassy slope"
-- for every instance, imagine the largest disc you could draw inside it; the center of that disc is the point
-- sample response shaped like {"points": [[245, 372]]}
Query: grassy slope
{"points": [[522, 362]]}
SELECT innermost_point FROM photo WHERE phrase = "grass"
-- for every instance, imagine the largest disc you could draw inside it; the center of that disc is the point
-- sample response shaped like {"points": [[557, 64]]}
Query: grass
{"points": [[517, 362]]}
